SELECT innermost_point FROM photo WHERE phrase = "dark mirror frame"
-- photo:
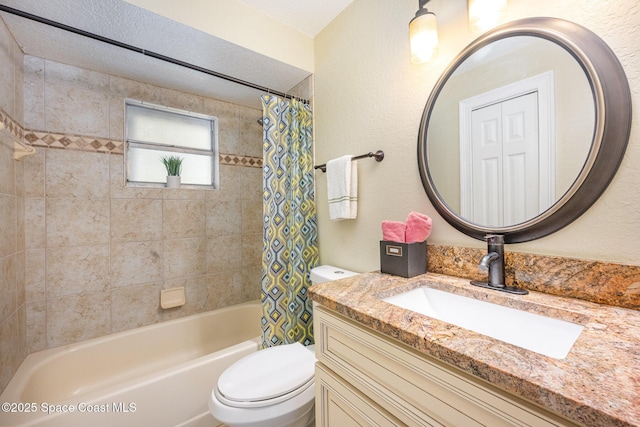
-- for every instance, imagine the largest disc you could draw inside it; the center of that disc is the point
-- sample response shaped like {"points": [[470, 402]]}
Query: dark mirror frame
{"points": [[612, 99]]}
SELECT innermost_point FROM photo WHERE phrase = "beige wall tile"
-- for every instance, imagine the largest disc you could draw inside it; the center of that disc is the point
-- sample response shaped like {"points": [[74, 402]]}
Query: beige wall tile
{"points": [[20, 207], [230, 184], [184, 101], [136, 263], [7, 70], [10, 357], [252, 217], [124, 88], [116, 117], [8, 287], [36, 326], [182, 194], [250, 132], [57, 73], [224, 289], [136, 220], [135, 306], [18, 65], [20, 279], [251, 249], [8, 225], [35, 275], [77, 100], [184, 258], [35, 223], [224, 253], [22, 331], [183, 218], [7, 165], [72, 222], [228, 125], [76, 269], [34, 174], [251, 180], [78, 317], [223, 217], [251, 280], [34, 93], [77, 174]]}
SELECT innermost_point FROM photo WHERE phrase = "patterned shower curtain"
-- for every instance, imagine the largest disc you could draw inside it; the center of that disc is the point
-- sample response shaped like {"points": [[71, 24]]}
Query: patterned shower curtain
{"points": [[290, 248]]}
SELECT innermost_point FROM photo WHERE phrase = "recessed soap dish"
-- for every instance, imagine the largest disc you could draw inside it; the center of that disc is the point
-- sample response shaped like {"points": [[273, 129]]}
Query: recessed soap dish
{"points": [[170, 298]]}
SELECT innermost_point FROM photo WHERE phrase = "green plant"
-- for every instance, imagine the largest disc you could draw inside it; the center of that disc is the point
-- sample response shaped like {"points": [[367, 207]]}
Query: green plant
{"points": [[173, 165]]}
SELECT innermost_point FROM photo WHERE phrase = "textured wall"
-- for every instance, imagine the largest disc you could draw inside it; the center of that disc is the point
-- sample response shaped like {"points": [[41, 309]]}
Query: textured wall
{"points": [[98, 253], [369, 96]]}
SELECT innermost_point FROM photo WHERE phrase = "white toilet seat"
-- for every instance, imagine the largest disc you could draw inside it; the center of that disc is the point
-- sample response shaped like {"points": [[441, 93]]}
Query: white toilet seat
{"points": [[278, 414], [267, 376], [270, 386]]}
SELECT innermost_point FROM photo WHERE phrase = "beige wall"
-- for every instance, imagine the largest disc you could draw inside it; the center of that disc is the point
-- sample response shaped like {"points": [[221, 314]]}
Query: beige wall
{"points": [[369, 96], [98, 253], [13, 346]]}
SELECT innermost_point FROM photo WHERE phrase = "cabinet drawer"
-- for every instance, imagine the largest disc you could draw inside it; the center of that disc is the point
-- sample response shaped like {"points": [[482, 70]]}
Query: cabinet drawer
{"points": [[338, 404], [417, 389]]}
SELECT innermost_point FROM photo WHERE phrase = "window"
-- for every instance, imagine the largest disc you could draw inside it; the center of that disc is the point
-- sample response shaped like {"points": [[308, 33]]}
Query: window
{"points": [[153, 132]]}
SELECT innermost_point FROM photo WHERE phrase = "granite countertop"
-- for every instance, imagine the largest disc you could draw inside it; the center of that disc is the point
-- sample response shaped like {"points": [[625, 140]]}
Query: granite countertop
{"points": [[597, 384]]}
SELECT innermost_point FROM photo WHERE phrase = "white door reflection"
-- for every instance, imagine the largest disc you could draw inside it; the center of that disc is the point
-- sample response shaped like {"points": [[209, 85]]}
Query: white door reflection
{"points": [[507, 162]]}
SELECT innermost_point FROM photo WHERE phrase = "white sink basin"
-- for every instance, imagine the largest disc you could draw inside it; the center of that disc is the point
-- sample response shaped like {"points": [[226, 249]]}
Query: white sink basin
{"points": [[545, 335]]}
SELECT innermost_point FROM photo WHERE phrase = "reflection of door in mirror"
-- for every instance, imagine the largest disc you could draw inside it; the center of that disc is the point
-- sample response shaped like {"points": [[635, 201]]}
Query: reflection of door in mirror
{"points": [[532, 64], [507, 155]]}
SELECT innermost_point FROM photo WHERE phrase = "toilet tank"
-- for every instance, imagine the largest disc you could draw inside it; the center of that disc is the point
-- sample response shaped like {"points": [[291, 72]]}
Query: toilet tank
{"points": [[326, 273]]}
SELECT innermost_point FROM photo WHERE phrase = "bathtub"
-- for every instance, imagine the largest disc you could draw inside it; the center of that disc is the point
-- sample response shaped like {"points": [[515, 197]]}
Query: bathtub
{"points": [[157, 375]]}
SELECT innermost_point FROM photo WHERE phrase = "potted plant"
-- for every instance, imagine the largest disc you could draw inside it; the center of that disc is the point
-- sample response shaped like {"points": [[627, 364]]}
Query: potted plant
{"points": [[173, 164]]}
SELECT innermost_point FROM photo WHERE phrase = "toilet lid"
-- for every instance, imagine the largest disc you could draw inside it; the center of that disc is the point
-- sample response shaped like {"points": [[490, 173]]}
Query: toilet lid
{"points": [[268, 373]]}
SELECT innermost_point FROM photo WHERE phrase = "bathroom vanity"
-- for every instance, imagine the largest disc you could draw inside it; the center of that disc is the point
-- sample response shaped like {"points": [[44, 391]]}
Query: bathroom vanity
{"points": [[384, 360], [380, 364]]}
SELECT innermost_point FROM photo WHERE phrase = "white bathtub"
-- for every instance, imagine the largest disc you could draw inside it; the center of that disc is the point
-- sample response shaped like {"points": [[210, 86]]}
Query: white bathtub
{"points": [[157, 375]]}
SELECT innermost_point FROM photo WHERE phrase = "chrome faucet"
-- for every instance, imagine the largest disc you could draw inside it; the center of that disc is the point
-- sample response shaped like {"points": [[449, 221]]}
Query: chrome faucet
{"points": [[493, 262]]}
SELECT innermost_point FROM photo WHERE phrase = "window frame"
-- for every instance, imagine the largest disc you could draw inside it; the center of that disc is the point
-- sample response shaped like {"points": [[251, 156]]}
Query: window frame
{"points": [[131, 143]]}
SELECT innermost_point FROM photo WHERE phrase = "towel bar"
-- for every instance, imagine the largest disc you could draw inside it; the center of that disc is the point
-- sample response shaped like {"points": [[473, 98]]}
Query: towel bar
{"points": [[379, 156]]}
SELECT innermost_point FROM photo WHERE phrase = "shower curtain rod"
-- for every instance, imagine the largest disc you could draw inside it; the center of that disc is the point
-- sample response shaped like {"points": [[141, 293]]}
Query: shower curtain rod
{"points": [[145, 52]]}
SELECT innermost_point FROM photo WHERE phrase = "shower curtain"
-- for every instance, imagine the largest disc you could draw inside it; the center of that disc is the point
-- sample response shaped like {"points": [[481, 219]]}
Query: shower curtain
{"points": [[290, 248]]}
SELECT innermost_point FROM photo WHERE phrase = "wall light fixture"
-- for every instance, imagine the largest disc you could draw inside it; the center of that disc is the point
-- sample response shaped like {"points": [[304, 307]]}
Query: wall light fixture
{"points": [[486, 14], [423, 34]]}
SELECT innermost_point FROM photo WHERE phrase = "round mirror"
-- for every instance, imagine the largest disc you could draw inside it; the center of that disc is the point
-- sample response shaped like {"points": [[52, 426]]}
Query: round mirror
{"points": [[524, 130]]}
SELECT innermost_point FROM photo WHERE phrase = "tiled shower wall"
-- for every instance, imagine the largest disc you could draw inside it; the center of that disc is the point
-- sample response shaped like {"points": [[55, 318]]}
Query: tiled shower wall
{"points": [[13, 346], [98, 253]]}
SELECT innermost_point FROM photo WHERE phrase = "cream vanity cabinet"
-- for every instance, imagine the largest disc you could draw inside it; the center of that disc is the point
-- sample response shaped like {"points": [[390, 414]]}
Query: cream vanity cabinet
{"points": [[364, 378]]}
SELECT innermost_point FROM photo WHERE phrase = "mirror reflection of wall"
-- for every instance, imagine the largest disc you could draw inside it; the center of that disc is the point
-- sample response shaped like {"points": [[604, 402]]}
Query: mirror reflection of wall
{"points": [[499, 64]]}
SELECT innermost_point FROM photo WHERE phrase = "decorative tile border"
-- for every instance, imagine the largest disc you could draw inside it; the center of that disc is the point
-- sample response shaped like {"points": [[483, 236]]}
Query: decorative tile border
{"points": [[11, 125], [234, 160], [104, 145], [595, 281], [74, 142]]}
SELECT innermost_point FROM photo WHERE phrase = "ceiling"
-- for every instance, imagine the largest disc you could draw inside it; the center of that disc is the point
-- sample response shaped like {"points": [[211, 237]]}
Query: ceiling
{"points": [[129, 24]]}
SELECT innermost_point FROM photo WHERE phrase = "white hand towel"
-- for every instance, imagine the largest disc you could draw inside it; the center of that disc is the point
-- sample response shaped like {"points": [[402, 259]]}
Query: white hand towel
{"points": [[342, 188]]}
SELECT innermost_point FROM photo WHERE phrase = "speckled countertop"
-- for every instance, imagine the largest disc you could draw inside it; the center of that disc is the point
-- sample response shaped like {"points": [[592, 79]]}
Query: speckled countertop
{"points": [[597, 384]]}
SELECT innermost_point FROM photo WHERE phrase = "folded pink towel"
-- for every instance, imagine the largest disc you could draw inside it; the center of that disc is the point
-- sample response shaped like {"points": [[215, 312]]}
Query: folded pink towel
{"points": [[418, 227], [393, 231]]}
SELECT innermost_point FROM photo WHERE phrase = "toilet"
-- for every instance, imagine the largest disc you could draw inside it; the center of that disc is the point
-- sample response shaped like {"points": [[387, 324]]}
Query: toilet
{"points": [[263, 389]]}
